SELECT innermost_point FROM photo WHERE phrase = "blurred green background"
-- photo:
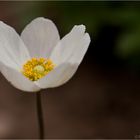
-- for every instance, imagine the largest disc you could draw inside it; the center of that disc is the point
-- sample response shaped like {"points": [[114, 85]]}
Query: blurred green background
{"points": [[102, 100]]}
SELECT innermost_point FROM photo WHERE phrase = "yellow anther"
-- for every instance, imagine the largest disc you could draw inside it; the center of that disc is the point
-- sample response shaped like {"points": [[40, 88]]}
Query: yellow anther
{"points": [[37, 68]]}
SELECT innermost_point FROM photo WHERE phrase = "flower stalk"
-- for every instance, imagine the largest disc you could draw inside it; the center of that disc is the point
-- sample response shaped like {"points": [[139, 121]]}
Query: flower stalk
{"points": [[40, 115]]}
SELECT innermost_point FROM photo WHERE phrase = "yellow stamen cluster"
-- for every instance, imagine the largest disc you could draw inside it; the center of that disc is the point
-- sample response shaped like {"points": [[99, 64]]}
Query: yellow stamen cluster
{"points": [[37, 68]]}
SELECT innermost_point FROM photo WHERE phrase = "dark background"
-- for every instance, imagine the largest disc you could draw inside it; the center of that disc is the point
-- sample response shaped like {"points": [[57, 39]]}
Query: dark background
{"points": [[102, 100]]}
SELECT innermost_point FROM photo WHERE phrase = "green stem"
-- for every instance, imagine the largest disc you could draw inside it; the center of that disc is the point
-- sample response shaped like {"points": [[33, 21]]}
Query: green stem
{"points": [[40, 115]]}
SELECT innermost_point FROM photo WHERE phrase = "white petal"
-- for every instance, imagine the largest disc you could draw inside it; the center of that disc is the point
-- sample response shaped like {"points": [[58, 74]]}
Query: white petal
{"points": [[58, 76], [18, 80], [40, 36], [79, 52], [72, 47], [13, 52]]}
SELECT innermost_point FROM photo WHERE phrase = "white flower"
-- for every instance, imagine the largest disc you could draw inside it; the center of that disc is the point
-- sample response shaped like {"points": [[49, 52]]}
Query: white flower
{"points": [[40, 39]]}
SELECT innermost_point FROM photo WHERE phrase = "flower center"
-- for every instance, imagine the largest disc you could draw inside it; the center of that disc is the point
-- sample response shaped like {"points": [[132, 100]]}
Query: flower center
{"points": [[37, 68]]}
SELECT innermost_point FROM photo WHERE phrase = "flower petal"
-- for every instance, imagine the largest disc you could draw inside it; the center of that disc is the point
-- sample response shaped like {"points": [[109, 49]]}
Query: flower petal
{"points": [[40, 36], [18, 80], [13, 52], [58, 76], [79, 52], [72, 47]]}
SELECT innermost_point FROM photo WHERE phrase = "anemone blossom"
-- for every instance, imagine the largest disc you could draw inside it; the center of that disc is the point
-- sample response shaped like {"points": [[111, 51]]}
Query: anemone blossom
{"points": [[38, 59]]}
